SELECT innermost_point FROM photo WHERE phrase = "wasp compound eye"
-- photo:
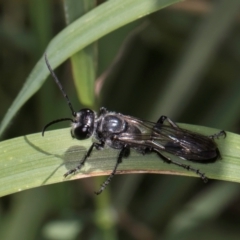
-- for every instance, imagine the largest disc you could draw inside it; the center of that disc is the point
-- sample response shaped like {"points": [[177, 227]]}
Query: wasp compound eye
{"points": [[83, 125], [81, 132]]}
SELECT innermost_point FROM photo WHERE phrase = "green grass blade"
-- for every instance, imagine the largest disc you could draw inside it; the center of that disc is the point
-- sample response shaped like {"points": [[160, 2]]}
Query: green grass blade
{"points": [[83, 62], [87, 29], [32, 161]]}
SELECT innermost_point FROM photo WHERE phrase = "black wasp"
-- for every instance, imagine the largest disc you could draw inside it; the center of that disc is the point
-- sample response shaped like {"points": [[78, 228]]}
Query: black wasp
{"points": [[123, 132]]}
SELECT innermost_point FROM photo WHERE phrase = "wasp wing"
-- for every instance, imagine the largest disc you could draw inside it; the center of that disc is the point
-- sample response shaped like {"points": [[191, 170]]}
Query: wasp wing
{"points": [[163, 137]]}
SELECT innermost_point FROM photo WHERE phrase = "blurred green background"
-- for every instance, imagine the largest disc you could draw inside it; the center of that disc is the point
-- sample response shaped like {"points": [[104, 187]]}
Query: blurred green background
{"points": [[183, 62]]}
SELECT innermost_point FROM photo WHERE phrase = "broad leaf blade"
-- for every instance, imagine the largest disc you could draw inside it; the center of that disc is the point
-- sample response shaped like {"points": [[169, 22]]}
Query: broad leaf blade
{"points": [[33, 160]]}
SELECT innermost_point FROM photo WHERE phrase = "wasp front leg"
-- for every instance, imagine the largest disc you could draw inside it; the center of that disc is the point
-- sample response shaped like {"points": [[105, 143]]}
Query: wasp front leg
{"points": [[98, 146]]}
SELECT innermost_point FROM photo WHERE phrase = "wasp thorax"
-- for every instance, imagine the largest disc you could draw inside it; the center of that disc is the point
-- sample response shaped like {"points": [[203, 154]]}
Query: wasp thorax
{"points": [[83, 124]]}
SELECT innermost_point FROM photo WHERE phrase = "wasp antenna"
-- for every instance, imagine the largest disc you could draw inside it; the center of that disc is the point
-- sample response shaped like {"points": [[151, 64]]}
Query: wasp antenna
{"points": [[55, 121], [59, 85]]}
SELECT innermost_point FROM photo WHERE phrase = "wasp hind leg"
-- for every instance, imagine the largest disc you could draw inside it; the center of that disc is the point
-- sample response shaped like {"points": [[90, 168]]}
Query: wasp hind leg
{"points": [[163, 118], [185, 166], [219, 134], [124, 153]]}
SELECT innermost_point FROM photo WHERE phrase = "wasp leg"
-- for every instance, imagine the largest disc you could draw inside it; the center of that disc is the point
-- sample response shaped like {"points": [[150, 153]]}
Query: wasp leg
{"points": [[187, 167], [98, 146], [124, 153], [103, 110], [219, 134], [162, 119]]}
